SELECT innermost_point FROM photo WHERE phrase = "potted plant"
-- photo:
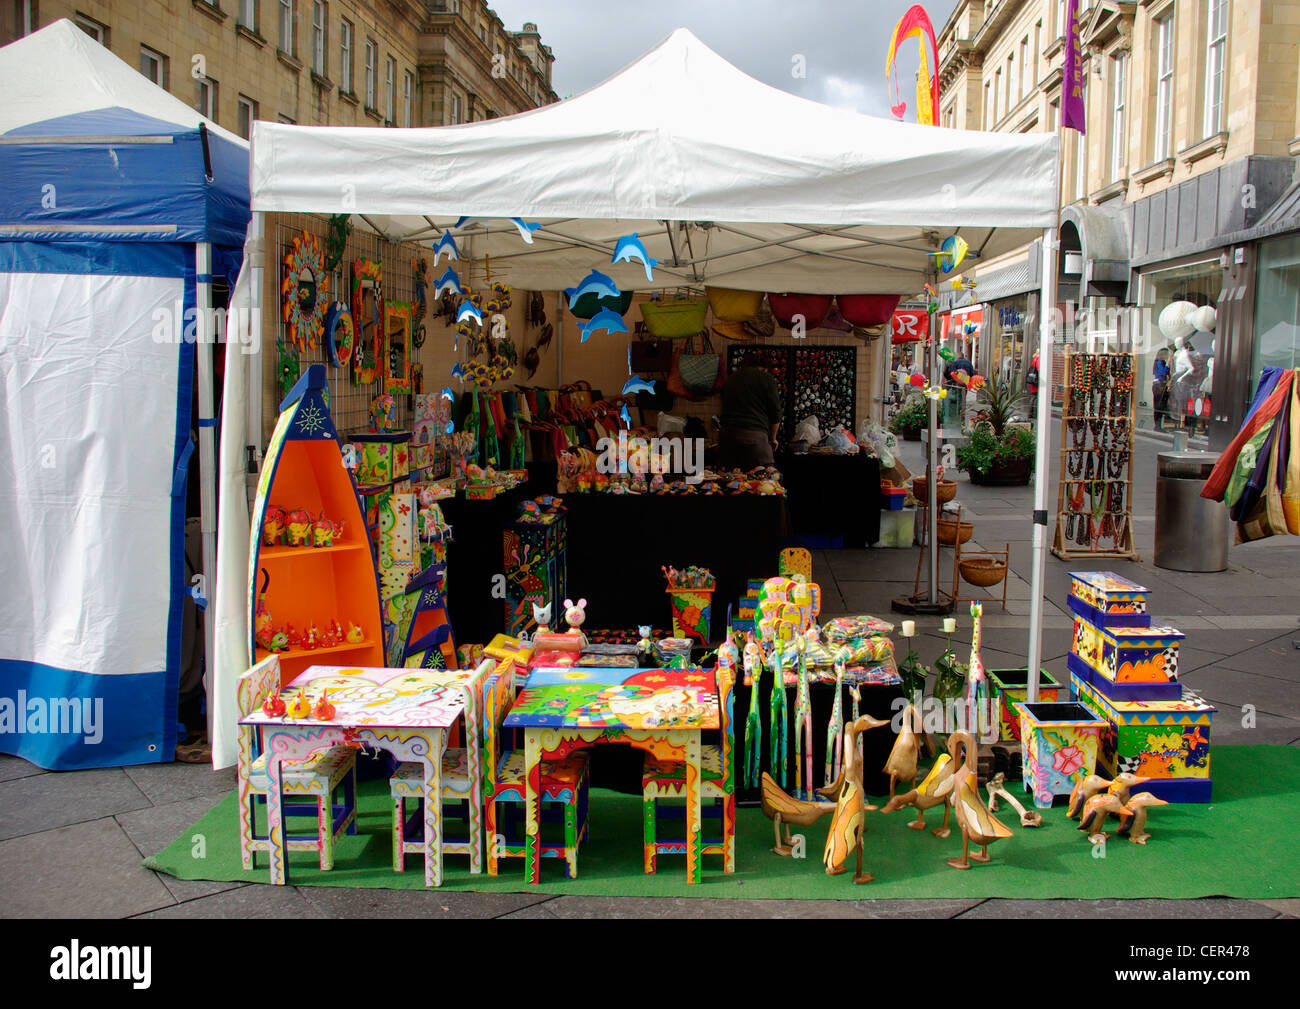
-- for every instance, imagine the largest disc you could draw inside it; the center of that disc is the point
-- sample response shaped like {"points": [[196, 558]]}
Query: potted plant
{"points": [[996, 452], [914, 415]]}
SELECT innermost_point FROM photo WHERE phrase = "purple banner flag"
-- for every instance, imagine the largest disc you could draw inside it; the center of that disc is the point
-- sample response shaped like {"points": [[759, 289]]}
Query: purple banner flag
{"points": [[1073, 114]]}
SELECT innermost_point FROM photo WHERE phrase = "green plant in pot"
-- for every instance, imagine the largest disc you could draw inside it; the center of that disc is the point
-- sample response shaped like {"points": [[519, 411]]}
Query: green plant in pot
{"points": [[911, 418], [996, 452]]}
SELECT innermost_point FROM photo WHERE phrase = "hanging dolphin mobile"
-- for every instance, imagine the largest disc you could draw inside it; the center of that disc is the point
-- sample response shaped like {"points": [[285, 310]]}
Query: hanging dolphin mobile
{"points": [[526, 228], [606, 319], [468, 312], [594, 282], [449, 281], [638, 384], [446, 246], [630, 249]]}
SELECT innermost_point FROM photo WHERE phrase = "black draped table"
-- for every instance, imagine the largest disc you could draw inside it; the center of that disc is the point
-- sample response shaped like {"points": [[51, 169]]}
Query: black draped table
{"points": [[833, 495]]}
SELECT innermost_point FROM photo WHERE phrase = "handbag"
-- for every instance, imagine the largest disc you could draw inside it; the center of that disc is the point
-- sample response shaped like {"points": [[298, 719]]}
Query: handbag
{"points": [[697, 374], [651, 355]]}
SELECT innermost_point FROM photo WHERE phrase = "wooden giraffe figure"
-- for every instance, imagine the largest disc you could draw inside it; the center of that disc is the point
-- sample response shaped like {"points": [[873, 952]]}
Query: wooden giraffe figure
{"points": [[835, 728], [753, 720], [777, 718], [977, 681], [803, 779]]}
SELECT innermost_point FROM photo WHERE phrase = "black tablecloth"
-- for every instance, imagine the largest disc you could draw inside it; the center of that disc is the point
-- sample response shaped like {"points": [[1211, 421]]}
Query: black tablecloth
{"points": [[617, 544], [833, 495]]}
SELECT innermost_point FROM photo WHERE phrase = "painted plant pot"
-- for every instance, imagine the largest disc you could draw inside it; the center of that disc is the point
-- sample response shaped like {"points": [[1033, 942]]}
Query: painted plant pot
{"points": [[1011, 685], [691, 611], [1060, 743]]}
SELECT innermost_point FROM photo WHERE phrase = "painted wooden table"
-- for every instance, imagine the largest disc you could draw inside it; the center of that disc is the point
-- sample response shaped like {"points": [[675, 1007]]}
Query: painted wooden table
{"points": [[662, 711], [404, 711]]}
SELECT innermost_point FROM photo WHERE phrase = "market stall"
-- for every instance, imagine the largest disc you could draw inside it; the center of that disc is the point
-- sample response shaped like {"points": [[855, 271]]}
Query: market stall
{"points": [[121, 208], [869, 200]]}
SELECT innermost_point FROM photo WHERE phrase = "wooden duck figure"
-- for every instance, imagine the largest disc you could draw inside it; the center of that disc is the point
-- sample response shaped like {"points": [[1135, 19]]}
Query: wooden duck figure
{"points": [[901, 764], [847, 827], [1093, 820], [1134, 824], [927, 795], [977, 824], [781, 808]]}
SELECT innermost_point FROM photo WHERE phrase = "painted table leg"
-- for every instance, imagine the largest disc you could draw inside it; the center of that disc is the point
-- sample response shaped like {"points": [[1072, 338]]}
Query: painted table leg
{"points": [[694, 855], [432, 759], [275, 828], [532, 806]]}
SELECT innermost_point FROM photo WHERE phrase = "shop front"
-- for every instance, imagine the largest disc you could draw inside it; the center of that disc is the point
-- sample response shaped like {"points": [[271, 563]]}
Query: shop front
{"points": [[1012, 335]]}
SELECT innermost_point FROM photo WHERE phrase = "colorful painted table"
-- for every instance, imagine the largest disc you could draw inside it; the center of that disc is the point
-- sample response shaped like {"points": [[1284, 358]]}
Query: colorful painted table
{"points": [[404, 711], [662, 711]]}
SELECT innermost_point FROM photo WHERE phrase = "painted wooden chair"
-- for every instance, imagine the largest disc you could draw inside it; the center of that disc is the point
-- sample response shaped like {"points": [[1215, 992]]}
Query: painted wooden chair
{"points": [[462, 781], [323, 787], [666, 779], [564, 783]]}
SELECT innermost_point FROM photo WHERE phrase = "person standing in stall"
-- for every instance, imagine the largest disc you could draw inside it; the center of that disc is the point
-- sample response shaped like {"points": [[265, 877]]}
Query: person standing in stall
{"points": [[751, 415]]}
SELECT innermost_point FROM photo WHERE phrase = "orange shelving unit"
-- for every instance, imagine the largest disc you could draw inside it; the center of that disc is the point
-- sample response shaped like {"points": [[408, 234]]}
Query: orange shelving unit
{"points": [[303, 469]]}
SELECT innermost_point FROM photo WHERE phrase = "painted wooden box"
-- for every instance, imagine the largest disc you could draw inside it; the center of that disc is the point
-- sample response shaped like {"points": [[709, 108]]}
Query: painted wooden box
{"points": [[1061, 742], [1167, 741], [1106, 600], [1011, 685], [691, 610], [536, 570], [1127, 663], [382, 458]]}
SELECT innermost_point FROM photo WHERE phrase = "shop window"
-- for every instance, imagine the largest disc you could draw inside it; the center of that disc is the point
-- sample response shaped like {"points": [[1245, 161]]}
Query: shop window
{"points": [[153, 65], [1184, 345], [372, 59], [205, 97], [1277, 307]]}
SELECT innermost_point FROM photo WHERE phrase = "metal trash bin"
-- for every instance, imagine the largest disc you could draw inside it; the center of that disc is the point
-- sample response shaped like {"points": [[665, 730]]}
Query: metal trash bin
{"points": [[1191, 531]]}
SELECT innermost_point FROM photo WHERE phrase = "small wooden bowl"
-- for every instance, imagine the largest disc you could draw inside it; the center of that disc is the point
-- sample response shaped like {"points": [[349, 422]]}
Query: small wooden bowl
{"points": [[946, 491]]}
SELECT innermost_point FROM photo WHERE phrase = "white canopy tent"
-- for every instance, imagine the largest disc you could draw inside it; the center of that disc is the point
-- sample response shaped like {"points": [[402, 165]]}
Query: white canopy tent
{"points": [[726, 180]]}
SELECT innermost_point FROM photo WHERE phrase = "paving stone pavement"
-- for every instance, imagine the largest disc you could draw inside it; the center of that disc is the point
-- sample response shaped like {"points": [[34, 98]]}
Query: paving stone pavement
{"points": [[71, 843]]}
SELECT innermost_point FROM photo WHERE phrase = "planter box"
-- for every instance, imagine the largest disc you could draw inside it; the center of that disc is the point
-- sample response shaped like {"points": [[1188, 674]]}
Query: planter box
{"points": [[1011, 685], [1011, 474], [1106, 600], [1167, 741], [1129, 657], [1060, 746]]}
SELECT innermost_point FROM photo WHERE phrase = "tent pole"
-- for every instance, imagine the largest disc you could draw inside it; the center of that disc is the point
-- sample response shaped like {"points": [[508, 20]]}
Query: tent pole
{"points": [[207, 456], [932, 459], [256, 231], [1046, 314]]}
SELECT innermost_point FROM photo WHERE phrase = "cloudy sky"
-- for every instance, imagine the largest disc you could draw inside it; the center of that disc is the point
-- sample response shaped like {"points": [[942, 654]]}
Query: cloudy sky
{"points": [[843, 43]]}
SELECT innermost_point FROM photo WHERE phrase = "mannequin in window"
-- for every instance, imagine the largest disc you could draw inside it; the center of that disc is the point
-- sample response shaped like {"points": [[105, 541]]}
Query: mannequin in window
{"points": [[1181, 379]]}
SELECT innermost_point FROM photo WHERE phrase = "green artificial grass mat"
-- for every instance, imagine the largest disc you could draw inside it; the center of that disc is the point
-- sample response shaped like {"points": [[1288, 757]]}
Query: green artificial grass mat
{"points": [[1240, 845]]}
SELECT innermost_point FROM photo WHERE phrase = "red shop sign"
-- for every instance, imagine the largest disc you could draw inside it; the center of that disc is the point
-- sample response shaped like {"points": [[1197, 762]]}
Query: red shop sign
{"points": [[909, 325]]}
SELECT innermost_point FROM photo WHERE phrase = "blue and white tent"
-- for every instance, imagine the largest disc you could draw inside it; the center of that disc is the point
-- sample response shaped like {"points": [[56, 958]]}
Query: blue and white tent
{"points": [[119, 205]]}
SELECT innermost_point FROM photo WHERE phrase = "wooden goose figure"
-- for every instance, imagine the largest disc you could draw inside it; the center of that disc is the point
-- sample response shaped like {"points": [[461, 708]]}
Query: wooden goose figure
{"points": [[847, 827], [901, 765], [1122, 786], [977, 824]]}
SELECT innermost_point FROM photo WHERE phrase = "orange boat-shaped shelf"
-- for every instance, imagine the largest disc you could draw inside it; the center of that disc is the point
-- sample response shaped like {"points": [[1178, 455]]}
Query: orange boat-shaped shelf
{"points": [[305, 585]]}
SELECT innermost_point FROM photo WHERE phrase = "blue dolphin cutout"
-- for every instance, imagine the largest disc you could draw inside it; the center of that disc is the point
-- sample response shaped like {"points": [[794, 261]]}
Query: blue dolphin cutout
{"points": [[594, 281], [627, 417], [446, 245], [449, 281], [526, 228], [468, 311], [606, 319], [630, 248], [638, 384]]}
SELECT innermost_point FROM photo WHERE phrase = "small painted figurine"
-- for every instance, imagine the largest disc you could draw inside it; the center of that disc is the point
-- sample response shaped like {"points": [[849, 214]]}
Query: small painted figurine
{"points": [[575, 614], [324, 530], [542, 616], [1122, 786], [279, 641], [273, 526], [261, 618], [274, 704], [932, 791], [847, 827], [728, 655], [997, 789], [777, 717], [324, 710], [299, 706], [311, 639], [299, 525], [355, 633], [1134, 825]]}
